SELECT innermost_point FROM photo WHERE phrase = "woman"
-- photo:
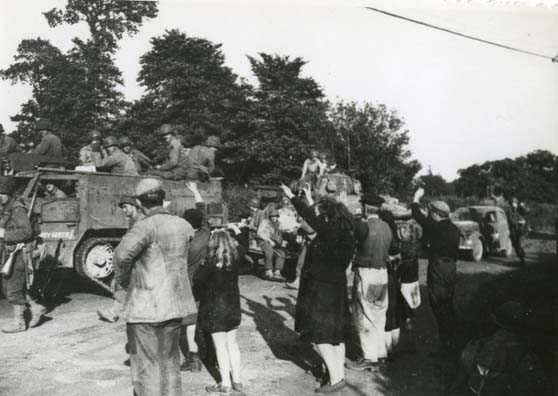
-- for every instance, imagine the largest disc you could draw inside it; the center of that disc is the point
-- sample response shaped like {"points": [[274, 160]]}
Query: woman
{"points": [[322, 306], [219, 311]]}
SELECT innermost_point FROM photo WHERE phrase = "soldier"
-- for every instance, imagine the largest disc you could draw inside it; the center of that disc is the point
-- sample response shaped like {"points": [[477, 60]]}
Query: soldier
{"points": [[51, 145], [53, 192], [117, 161], [15, 229], [151, 263], [142, 161], [8, 144], [86, 152], [516, 214], [201, 159], [442, 237], [175, 167]]}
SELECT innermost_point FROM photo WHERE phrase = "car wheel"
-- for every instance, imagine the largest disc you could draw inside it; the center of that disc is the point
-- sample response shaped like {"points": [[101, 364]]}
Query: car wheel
{"points": [[477, 251], [94, 259]]}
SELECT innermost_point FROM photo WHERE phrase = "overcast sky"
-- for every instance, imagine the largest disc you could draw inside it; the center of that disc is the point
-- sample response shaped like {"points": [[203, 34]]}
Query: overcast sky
{"points": [[463, 102]]}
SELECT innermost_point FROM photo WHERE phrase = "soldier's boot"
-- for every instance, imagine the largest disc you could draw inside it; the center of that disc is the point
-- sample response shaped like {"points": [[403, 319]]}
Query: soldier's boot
{"points": [[19, 320], [37, 312]]}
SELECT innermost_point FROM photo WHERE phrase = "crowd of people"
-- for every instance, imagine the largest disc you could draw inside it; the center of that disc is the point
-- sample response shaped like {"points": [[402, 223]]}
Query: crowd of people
{"points": [[175, 277]]}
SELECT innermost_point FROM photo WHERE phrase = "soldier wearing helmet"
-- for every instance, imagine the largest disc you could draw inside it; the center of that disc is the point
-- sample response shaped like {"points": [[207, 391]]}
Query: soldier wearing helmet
{"points": [[202, 159], [15, 231], [7, 146], [86, 152], [176, 165], [142, 161], [51, 145], [116, 161]]}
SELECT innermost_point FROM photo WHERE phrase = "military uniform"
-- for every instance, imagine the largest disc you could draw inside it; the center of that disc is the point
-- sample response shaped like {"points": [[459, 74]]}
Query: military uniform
{"points": [[8, 145], [175, 168], [15, 229], [142, 161], [50, 146], [117, 162], [86, 155], [201, 163]]}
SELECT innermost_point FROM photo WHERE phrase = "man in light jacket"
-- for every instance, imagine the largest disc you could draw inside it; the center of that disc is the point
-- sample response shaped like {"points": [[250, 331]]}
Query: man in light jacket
{"points": [[151, 264]]}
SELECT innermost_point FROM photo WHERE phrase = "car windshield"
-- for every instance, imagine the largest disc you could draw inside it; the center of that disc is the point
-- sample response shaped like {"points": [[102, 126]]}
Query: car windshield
{"points": [[466, 214]]}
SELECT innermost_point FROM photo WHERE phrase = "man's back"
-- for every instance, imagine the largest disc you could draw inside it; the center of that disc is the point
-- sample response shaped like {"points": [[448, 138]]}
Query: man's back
{"points": [[159, 289], [374, 240]]}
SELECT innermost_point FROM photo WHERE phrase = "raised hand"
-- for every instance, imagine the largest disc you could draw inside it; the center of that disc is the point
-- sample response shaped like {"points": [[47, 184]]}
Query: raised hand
{"points": [[287, 191], [418, 194]]}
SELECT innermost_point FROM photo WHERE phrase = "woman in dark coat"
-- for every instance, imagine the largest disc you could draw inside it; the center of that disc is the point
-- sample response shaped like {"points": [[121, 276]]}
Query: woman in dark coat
{"points": [[322, 306], [219, 311]]}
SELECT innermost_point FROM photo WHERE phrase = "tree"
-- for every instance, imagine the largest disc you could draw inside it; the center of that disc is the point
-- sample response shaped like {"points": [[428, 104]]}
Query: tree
{"points": [[288, 117], [435, 185], [371, 142], [77, 89], [187, 83]]}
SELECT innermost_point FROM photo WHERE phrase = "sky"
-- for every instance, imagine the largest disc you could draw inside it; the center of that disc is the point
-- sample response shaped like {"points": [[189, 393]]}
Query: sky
{"points": [[463, 102]]}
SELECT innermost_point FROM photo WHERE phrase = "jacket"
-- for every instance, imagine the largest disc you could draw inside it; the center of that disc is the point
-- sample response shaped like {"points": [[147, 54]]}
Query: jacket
{"points": [[202, 158], [374, 239], [50, 145], [117, 162], [151, 262], [177, 157]]}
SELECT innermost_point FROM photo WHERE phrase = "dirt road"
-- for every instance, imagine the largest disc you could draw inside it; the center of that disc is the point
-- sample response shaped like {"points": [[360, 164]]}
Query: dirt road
{"points": [[73, 353]]}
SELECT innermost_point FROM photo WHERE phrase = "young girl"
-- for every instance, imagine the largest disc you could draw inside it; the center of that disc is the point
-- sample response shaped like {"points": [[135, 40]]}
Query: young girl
{"points": [[219, 311]]}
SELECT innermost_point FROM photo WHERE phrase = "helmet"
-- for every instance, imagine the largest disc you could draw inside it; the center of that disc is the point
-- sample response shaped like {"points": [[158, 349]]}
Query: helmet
{"points": [[166, 129], [110, 141], [148, 185], [254, 203], [125, 141], [213, 141], [95, 134], [43, 124]]}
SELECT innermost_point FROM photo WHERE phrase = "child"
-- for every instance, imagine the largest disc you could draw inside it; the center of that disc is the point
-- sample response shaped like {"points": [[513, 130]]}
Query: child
{"points": [[219, 311]]}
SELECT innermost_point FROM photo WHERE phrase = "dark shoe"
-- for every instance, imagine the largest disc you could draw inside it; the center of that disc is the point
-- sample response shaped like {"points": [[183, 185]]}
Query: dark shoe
{"points": [[127, 362], [328, 388], [219, 389], [361, 364]]}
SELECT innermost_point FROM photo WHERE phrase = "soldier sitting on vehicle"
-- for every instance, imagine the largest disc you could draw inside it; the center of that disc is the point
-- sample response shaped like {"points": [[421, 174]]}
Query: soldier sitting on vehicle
{"points": [[86, 157], [312, 170], [7, 146], [116, 162], [51, 145], [175, 167], [201, 159], [142, 161]]}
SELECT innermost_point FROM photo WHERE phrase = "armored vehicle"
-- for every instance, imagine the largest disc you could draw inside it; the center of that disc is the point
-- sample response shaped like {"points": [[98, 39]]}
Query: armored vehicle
{"points": [[82, 230], [484, 230]]}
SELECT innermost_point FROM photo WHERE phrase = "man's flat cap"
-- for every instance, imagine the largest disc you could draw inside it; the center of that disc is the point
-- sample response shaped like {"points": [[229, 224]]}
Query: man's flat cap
{"points": [[440, 206], [148, 185], [127, 199], [372, 199]]}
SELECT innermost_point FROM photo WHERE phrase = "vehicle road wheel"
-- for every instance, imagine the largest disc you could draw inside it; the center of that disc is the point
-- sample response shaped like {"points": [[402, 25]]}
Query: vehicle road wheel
{"points": [[509, 248], [477, 251], [94, 259]]}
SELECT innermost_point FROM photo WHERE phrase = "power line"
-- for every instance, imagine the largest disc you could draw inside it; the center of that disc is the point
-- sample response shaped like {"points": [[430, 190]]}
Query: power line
{"points": [[462, 35]]}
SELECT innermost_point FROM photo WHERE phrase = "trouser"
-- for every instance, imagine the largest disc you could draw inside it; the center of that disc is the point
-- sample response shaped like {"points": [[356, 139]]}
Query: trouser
{"points": [[155, 358], [14, 286], [301, 258], [441, 279], [370, 302], [517, 242], [272, 255]]}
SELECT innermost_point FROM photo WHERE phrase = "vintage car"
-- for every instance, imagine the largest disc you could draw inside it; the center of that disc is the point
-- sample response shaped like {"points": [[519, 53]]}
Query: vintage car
{"points": [[81, 230], [484, 230]]}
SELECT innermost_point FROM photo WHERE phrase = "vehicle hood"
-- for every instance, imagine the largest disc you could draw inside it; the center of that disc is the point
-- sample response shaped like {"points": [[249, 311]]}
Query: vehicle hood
{"points": [[467, 225]]}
